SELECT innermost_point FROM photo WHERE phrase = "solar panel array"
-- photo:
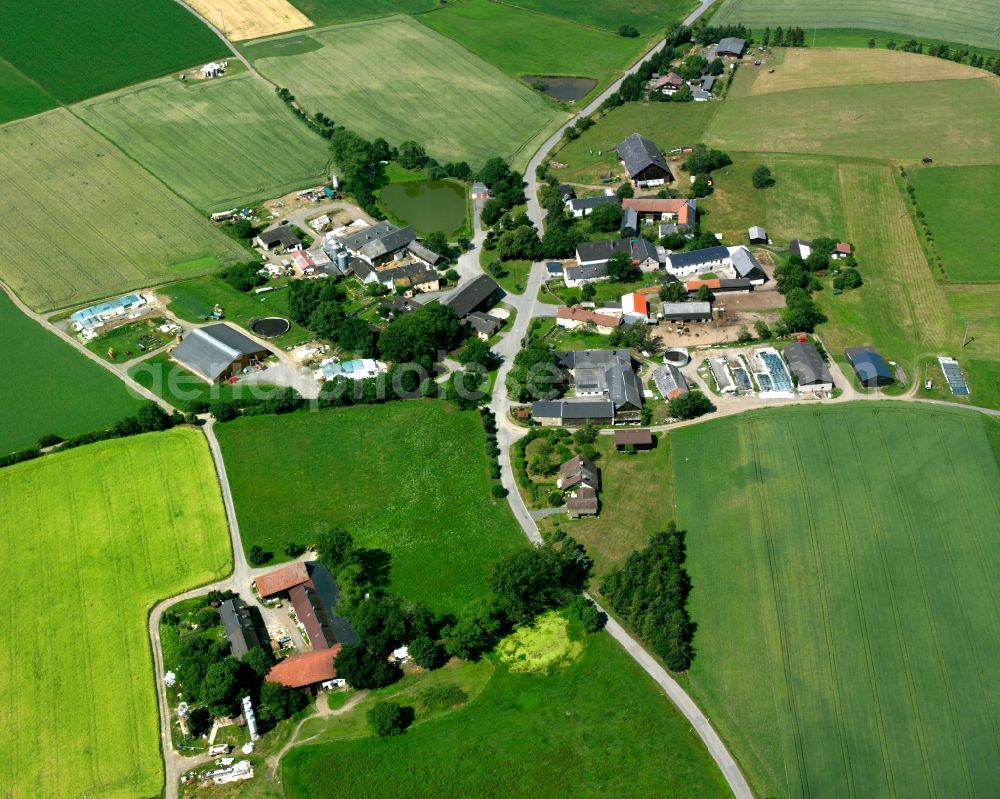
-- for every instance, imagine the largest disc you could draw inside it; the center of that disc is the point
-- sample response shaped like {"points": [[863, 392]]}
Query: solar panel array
{"points": [[953, 374]]}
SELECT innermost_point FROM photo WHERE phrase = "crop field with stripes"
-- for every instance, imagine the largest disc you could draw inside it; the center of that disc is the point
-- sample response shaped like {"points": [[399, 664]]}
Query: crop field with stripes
{"points": [[80, 221], [96, 536], [844, 589], [398, 79], [217, 143], [968, 22]]}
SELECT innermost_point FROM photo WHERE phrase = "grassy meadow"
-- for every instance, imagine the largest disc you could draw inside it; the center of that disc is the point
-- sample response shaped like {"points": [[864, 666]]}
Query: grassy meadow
{"points": [[649, 17], [336, 12], [598, 727], [454, 103], [218, 143], [409, 477], [19, 96], [866, 121], [54, 388], [78, 48], [854, 648], [79, 220], [971, 21], [96, 536], [962, 220], [509, 38]]}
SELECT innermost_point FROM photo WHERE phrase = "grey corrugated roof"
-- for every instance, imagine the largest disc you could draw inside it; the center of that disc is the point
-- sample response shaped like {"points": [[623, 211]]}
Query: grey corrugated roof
{"points": [[471, 295], [602, 250], [583, 203], [630, 221], [423, 252], [212, 349], [573, 409], [482, 323], [355, 241], [686, 310], [623, 384], [240, 625], [591, 272], [638, 153], [694, 257], [388, 243], [805, 362], [757, 232], [731, 44], [670, 381], [744, 264]]}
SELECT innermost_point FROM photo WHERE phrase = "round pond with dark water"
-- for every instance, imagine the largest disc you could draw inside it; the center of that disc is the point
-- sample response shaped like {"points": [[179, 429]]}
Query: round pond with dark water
{"points": [[561, 88]]}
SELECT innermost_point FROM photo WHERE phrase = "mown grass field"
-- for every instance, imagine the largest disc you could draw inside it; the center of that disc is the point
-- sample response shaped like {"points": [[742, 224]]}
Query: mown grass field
{"points": [[597, 728], [971, 21], [335, 12], [95, 537], [51, 388], [669, 125], [19, 97], [79, 220], [431, 90], [825, 66], [649, 17], [854, 648], [865, 121], [79, 48], [218, 143], [408, 477], [962, 218], [510, 38]]}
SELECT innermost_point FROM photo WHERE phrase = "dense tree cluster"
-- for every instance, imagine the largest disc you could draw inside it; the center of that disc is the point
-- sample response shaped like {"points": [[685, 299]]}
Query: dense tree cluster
{"points": [[703, 161], [534, 374], [606, 218], [417, 337], [633, 88], [650, 593], [716, 33], [690, 405], [506, 185], [245, 276], [621, 268]]}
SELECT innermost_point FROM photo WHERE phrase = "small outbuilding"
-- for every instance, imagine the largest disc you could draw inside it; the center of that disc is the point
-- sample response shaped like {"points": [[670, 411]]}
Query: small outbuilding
{"points": [[757, 235], [870, 367], [640, 439], [582, 502], [281, 237]]}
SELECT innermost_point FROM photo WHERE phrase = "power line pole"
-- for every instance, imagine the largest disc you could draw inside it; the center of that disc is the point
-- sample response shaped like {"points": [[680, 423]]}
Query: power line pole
{"points": [[223, 15], [965, 338]]}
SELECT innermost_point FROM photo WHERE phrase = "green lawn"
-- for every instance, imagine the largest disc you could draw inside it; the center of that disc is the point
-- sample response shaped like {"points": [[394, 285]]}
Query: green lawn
{"points": [[218, 143], [20, 97], [130, 340], [408, 477], [79, 48], [844, 590], [864, 121], [669, 125], [597, 728], [193, 301], [80, 220], [95, 537], [510, 38], [51, 388], [960, 204], [649, 17], [457, 105], [336, 12], [971, 21]]}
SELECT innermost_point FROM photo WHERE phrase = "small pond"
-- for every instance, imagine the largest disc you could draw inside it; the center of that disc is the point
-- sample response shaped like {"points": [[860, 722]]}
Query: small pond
{"points": [[561, 88], [427, 205]]}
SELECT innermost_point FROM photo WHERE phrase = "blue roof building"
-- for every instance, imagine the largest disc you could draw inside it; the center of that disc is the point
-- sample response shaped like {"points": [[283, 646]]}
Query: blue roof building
{"points": [[869, 366], [97, 315]]}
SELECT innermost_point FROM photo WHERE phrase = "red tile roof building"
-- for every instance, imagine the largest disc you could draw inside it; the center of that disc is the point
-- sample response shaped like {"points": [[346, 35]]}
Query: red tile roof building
{"points": [[667, 208], [282, 579], [305, 670]]}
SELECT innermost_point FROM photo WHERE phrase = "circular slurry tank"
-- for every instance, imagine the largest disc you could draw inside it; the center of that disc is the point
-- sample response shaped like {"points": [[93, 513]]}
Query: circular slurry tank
{"points": [[270, 326], [676, 356]]}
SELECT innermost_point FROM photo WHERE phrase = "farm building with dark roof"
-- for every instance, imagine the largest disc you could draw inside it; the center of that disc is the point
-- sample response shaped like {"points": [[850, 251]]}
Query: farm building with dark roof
{"points": [[869, 366], [217, 352], [805, 363], [643, 161]]}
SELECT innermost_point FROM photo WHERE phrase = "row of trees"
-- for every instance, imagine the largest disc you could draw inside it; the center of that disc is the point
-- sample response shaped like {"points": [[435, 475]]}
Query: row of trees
{"points": [[650, 593], [784, 37]]}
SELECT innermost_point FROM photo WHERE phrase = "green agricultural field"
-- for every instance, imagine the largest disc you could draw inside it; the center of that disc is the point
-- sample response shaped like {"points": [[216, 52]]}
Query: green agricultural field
{"points": [[970, 22], [844, 589], [864, 121], [19, 97], [336, 12], [409, 477], [649, 17], [596, 728], [217, 143], [805, 201], [961, 219], [509, 37], [96, 536], [454, 103], [78, 48], [670, 125], [53, 388], [79, 220]]}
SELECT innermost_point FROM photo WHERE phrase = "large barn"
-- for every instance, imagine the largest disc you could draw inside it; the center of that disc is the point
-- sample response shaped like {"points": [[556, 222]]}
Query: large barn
{"points": [[217, 352], [644, 162], [869, 366]]}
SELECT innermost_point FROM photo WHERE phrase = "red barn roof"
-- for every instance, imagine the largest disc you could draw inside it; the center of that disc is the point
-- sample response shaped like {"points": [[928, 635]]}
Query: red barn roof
{"points": [[281, 580], [306, 669]]}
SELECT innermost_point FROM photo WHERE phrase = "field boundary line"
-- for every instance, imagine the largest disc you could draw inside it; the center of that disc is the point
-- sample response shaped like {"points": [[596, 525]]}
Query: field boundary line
{"points": [[766, 522], [847, 543], [824, 603]]}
